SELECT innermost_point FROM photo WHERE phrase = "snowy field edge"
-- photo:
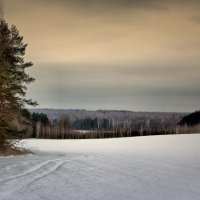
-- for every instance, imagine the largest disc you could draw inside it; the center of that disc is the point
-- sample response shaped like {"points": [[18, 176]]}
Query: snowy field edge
{"points": [[144, 144]]}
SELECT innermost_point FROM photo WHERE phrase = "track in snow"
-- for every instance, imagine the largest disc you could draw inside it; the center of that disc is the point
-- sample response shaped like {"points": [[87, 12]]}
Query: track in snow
{"points": [[139, 175]]}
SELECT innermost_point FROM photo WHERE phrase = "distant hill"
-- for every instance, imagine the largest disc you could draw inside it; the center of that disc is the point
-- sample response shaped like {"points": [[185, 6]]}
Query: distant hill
{"points": [[191, 119]]}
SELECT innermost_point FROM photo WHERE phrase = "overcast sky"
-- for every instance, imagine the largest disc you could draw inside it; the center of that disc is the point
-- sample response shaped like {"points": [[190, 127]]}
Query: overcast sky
{"points": [[141, 55]]}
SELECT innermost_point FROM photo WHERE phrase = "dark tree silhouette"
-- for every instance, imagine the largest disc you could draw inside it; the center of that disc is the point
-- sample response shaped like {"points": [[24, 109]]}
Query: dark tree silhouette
{"points": [[191, 119], [13, 80]]}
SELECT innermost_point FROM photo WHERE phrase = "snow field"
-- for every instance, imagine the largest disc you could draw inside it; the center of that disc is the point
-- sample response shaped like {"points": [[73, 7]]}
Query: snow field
{"points": [[139, 168]]}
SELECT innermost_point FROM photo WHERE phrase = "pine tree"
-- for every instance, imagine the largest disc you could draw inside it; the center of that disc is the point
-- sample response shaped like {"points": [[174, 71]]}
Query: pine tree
{"points": [[13, 80]]}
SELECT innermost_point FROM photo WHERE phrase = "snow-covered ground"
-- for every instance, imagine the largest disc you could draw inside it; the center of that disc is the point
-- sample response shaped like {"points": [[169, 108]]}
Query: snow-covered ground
{"points": [[139, 168]]}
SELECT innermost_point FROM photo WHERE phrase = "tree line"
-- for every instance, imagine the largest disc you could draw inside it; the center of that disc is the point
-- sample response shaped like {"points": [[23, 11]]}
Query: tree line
{"points": [[63, 128]]}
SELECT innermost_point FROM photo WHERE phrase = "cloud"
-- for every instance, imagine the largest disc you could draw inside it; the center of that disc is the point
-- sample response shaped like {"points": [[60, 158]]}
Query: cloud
{"points": [[108, 6], [152, 4], [143, 4], [112, 6]]}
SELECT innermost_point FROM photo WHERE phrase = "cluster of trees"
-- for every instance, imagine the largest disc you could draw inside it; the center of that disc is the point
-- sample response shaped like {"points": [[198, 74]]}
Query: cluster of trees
{"points": [[14, 118], [38, 118], [112, 119], [52, 129], [189, 123], [63, 128], [120, 126], [91, 124], [191, 119]]}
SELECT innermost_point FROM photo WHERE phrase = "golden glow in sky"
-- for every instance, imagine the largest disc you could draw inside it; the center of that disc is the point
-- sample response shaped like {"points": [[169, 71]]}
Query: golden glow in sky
{"points": [[117, 54]]}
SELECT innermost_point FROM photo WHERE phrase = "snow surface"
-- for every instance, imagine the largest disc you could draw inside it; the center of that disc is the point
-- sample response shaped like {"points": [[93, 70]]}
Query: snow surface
{"points": [[139, 168]]}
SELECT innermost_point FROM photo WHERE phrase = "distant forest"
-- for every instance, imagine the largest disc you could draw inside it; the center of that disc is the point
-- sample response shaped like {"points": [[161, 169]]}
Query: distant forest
{"points": [[69, 123], [109, 119]]}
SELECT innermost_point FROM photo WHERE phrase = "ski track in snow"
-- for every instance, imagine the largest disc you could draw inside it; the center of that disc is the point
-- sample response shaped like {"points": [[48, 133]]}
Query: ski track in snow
{"points": [[26, 179], [29, 172], [98, 176]]}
